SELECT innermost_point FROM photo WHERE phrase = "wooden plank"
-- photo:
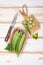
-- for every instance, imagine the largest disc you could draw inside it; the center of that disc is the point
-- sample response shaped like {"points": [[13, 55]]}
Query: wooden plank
{"points": [[31, 45], [6, 15], [15, 3], [4, 28], [31, 59]]}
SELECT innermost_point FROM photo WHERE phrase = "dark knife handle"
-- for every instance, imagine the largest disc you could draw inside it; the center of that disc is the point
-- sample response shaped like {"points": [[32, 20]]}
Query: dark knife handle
{"points": [[8, 34]]}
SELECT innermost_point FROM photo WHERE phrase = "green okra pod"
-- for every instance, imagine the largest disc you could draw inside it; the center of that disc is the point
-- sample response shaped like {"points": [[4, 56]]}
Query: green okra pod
{"points": [[18, 43], [21, 43], [27, 28], [15, 39]]}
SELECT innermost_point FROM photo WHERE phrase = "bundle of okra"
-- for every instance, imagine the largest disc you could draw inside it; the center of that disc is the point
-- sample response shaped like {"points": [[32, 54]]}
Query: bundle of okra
{"points": [[17, 42]]}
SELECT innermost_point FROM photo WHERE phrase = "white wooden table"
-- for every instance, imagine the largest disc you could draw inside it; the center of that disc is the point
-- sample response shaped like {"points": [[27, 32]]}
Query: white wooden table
{"points": [[32, 53]]}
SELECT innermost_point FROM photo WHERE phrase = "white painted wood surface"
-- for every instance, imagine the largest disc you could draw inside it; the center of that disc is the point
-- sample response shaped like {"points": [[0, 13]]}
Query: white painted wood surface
{"points": [[32, 53]]}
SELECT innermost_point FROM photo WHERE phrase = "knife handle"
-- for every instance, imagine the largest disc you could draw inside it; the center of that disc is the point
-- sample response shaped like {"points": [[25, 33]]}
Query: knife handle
{"points": [[8, 34]]}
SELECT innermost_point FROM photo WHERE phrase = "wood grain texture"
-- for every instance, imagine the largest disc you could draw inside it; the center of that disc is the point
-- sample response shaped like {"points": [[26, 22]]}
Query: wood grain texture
{"points": [[32, 53]]}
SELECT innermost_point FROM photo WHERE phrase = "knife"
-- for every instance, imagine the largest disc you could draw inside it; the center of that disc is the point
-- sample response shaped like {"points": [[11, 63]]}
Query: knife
{"points": [[11, 26]]}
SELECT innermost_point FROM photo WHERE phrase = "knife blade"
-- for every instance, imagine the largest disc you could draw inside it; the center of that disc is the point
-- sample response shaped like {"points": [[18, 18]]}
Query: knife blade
{"points": [[11, 26]]}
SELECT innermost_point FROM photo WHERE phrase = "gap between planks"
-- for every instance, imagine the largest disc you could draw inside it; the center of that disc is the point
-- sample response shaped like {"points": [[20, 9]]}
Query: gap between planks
{"points": [[4, 6], [37, 14], [41, 58], [9, 22], [28, 37], [4, 52]]}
